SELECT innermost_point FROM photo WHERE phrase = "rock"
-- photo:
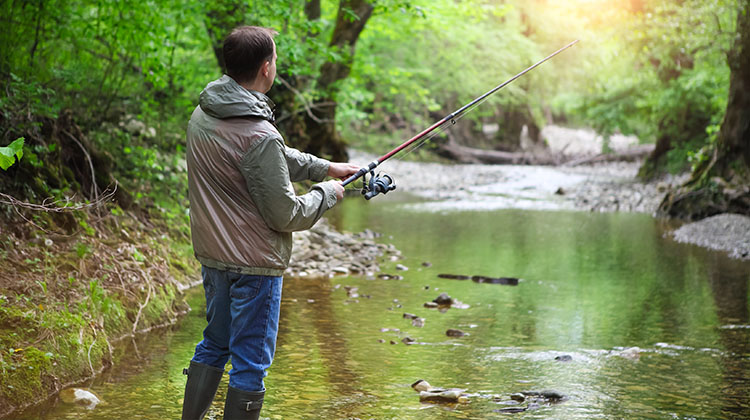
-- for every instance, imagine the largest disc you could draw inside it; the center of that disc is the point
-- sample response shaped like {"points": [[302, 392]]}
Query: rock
{"points": [[402, 267], [80, 396], [454, 333], [631, 353], [441, 395], [560, 191], [381, 340], [431, 305], [407, 315], [547, 394], [408, 340], [418, 322], [426, 264], [393, 342], [564, 358], [421, 385], [443, 299], [454, 276], [340, 270], [518, 397], [351, 291], [509, 410]]}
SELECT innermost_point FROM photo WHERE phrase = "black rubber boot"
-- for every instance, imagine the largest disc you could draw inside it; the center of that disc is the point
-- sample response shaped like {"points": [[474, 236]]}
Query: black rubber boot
{"points": [[200, 389], [243, 405]]}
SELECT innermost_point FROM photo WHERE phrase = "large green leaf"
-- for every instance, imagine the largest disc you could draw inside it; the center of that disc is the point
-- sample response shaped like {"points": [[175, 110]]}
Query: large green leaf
{"points": [[9, 154]]}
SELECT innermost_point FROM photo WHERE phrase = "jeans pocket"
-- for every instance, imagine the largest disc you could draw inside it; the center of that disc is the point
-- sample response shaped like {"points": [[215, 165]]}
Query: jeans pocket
{"points": [[246, 287], [208, 285]]}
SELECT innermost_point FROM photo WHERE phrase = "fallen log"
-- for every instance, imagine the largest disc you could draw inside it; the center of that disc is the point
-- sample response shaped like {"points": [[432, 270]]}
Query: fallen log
{"points": [[628, 155], [463, 154]]}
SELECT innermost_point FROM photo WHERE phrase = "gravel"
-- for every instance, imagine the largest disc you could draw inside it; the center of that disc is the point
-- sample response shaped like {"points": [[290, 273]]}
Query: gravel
{"points": [[724, 232]]}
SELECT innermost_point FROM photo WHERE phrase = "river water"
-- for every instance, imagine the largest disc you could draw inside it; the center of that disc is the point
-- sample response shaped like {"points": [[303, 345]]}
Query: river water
{"points": [[593, 286]]}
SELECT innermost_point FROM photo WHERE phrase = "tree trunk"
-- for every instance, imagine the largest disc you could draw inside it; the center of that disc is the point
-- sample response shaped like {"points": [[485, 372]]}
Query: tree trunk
{"points": [[315, 131], [221, 19], [722, 182]]}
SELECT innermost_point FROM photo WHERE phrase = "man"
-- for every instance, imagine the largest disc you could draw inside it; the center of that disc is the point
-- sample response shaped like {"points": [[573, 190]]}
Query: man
{"points": [[242, 212]]}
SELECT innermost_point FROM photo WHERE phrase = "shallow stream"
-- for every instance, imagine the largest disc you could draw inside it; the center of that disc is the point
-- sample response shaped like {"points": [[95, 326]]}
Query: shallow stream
{"points": [[593, 286]]}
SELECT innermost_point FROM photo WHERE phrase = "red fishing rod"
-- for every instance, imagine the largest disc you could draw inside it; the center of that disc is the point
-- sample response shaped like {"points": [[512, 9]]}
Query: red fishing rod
{"points": [[384, 183]]}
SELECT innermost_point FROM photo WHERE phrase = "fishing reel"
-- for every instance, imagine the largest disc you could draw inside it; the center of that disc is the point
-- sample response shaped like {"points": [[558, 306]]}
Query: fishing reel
{"points": [[376, 185]]}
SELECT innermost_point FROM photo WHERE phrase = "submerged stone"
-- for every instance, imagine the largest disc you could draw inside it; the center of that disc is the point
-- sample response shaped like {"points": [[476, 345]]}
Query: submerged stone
{"points": [[441, 395], [547, 394], [564, 358], [431, 305], [408, 340], [455, 333], [454, 276], [509, 281], [418, 322], [631, 353]]}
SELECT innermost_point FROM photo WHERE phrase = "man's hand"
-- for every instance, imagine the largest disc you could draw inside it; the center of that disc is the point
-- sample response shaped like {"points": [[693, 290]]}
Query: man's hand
{"points": [[342, 170], [338, 188]]}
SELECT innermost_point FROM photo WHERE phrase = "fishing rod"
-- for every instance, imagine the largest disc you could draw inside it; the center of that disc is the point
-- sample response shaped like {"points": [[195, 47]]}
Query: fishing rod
{"points": [[383, 183]]}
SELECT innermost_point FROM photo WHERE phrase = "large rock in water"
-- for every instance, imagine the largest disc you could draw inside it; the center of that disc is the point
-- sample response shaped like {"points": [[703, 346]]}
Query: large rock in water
{"points": [[80, 396]]}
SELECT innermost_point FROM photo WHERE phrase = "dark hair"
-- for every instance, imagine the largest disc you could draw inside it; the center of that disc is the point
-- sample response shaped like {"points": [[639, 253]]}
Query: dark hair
{"points": [[245, 50]]}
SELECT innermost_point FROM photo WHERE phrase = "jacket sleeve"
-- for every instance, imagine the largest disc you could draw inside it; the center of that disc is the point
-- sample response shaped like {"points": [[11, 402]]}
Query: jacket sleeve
{"points": [[304, 166], [264, 167]]}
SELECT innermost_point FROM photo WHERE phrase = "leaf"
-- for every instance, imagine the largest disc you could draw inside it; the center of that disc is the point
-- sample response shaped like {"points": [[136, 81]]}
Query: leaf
{"points": [[9, 154]]}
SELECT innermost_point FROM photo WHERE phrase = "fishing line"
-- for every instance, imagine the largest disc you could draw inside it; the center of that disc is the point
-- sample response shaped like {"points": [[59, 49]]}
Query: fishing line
{"points": [[381, 184]]}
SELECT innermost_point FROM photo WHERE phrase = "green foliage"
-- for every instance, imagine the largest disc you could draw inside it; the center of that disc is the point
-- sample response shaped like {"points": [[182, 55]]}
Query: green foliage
{"points": [[9, 154], [668, 77]]}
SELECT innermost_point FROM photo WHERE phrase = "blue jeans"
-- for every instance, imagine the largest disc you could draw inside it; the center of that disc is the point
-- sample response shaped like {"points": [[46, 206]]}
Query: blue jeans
{"points": [[243, 319]]}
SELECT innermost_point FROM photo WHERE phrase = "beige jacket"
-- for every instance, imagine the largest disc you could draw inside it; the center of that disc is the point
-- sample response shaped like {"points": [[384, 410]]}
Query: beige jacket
{"points": [[242, 204]]}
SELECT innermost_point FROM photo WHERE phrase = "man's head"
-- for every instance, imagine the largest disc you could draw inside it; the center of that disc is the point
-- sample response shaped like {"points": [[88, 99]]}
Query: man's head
{"points": [[250, 56]]}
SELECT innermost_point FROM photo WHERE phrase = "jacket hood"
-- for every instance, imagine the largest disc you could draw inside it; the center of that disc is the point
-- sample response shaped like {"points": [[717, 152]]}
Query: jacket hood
{"points": [[225, 98]]}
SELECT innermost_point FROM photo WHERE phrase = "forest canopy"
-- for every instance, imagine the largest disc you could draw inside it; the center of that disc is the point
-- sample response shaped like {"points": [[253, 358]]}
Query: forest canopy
{"points": [[353, 73]]}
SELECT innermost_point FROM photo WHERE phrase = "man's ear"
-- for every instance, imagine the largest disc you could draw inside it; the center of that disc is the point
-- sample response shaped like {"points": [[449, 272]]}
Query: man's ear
{"points": [[265, 68]]}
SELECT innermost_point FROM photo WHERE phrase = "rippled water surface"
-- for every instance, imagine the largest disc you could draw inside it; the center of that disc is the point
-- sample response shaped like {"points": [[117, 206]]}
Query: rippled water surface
{"points": [[592, 286]]}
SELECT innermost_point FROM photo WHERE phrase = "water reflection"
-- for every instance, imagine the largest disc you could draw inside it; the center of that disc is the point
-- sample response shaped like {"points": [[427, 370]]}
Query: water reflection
{"points": [[729, 285]]}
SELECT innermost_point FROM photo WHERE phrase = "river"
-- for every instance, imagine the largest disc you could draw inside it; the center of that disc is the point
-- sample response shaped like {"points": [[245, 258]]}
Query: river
{"points": [[593, 286]]}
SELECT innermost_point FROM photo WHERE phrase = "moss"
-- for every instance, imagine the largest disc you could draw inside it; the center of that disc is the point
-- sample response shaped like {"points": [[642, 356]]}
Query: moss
{"points": [[22, 374]]}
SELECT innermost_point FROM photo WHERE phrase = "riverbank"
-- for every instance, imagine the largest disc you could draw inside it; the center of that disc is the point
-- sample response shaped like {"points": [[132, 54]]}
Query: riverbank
{"points": [[65, 300], [597, 187]]}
